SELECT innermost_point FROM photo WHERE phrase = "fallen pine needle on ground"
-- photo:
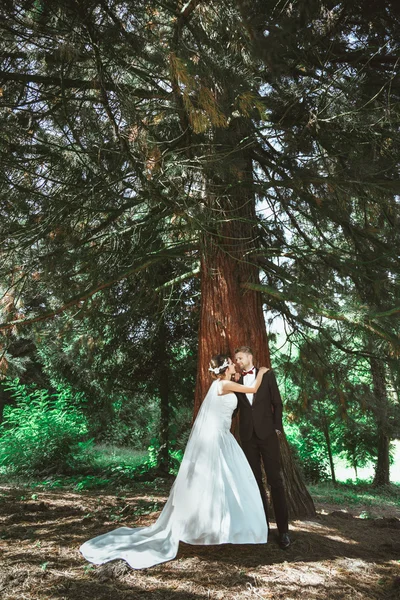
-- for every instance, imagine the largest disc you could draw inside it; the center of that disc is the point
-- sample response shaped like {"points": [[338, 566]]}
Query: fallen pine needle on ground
{"points": [[342, 553]]}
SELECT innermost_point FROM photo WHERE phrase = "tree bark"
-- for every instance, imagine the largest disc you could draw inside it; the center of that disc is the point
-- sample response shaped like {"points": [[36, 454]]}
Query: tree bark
{"points": [[300, 503], [231, 314], [325, 427], [163, 388], [382, 468]]}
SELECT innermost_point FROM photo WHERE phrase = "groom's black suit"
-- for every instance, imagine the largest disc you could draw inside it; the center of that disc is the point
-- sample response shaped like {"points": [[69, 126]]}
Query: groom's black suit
{"points": [[258, 423]]}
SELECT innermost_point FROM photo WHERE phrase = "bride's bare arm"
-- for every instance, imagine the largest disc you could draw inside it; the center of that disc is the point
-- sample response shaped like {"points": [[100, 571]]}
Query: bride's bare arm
{"points": [[232, 386]]}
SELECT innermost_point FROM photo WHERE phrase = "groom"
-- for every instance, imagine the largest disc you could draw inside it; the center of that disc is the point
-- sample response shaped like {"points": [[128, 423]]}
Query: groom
{"points": [[260, 423]]}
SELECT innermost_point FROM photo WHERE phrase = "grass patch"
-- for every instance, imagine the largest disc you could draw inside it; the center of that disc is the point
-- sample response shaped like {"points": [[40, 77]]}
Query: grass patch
{"points": [[78, 482], [104, 456], [108, 466], [356, 494]]}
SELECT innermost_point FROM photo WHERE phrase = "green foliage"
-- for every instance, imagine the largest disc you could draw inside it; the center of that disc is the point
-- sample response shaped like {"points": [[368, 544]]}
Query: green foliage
{"points": [[42, 432], [103, 203], [104, 456], [330, 404], [150, 464], [120, 368], [309, 452], [353, 494], [134, 422], [358, 441]]}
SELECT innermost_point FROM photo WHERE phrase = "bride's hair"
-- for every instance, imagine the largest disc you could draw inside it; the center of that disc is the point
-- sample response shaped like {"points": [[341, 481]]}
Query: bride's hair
{"points": [[218, 365]]}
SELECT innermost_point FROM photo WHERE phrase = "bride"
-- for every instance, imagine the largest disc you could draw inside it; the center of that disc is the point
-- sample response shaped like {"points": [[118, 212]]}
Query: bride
{"points": [[214, 499]]}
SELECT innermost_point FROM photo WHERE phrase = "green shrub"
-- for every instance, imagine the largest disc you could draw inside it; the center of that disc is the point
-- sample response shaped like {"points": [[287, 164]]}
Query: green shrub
{"points": [[42, 433], [134, 423], [308, 452]]}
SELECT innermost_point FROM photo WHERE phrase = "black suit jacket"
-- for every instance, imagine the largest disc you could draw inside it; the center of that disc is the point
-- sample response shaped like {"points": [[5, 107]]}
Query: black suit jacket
{"points": [[265, 414]]}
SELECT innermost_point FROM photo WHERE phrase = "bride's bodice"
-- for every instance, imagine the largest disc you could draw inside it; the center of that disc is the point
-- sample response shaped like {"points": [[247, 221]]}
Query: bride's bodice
{"points": [[223, 409]]}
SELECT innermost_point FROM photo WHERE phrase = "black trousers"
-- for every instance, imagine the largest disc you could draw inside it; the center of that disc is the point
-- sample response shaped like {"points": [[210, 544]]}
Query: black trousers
{"points": [[268, 451]]}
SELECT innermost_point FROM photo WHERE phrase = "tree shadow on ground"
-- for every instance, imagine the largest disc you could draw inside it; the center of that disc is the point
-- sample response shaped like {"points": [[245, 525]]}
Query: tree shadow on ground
{"points": [[332, 557], [322, 539]]}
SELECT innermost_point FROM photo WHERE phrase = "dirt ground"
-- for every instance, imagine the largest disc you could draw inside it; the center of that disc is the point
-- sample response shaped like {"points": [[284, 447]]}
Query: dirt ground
{"points": [[337, 555]]}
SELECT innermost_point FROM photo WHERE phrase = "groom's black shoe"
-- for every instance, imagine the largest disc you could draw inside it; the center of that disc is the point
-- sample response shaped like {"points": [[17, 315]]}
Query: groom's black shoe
{"points": [[284, 540]]}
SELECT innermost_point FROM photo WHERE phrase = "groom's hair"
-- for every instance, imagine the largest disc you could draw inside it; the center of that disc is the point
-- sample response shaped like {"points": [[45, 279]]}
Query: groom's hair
{"points": [[245, 349]]}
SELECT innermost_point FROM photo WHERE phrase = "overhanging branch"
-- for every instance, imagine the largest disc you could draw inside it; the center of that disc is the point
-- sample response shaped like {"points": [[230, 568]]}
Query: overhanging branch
{"points": [[365, 321], [85, 295], [80, 84]]}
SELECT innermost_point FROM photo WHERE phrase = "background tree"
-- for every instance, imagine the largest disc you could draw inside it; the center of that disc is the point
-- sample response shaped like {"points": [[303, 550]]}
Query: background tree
{"points": [[331, 405]]}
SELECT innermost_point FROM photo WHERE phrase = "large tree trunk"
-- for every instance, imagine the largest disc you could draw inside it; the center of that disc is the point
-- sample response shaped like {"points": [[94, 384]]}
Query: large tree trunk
{"points": [[230, 314], [300, 503], [382, 467]]}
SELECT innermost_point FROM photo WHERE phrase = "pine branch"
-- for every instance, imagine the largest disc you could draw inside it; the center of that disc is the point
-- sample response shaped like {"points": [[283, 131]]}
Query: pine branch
{"points": [[85, 295], [81, 84], [365, 321], [189, 275]]}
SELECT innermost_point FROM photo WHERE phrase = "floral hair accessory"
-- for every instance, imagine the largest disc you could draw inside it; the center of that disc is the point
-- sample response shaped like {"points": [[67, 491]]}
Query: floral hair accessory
{"points": [[217, 370]]}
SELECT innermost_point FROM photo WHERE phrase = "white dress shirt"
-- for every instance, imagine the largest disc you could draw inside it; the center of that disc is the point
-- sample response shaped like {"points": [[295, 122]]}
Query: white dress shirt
{"points": [[249, 380]]}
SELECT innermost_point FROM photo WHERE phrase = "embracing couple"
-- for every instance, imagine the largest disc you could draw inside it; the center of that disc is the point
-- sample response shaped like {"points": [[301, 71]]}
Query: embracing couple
{"points": [[218, 496]]}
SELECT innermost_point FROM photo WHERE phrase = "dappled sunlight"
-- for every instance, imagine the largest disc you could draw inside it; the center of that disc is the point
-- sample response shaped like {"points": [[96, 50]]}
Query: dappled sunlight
{"points": [[333, 556], [330, 533], [337, 538]]}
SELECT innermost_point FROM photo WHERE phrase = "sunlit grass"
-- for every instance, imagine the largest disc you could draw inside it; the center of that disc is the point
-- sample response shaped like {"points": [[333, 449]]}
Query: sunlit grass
{"points": [[104, 456], [352, 494], [106, 466]]}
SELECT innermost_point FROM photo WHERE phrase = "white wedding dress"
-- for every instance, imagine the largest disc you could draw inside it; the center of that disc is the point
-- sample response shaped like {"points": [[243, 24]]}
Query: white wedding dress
{"points": [[214, 499]]}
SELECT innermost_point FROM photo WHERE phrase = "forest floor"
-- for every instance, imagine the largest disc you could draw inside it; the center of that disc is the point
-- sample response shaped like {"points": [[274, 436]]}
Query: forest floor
{"points": [[342, 553]]}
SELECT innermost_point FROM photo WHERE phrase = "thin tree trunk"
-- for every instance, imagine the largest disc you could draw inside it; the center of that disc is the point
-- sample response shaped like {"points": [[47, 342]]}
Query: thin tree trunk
{"points": [[372, 296], [163, 456], [382, 468], [325, 427]]}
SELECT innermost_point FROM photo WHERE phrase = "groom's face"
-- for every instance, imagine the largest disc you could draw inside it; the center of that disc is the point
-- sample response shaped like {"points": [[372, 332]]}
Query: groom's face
{"points": [[243, 360]]}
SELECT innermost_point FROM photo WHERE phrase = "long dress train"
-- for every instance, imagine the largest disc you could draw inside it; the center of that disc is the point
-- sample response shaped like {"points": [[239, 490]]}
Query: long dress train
{"points": [[214, 499]]}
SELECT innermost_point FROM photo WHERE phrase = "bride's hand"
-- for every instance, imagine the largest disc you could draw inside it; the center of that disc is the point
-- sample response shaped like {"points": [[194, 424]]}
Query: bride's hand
{"points": [[263, 370]]}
